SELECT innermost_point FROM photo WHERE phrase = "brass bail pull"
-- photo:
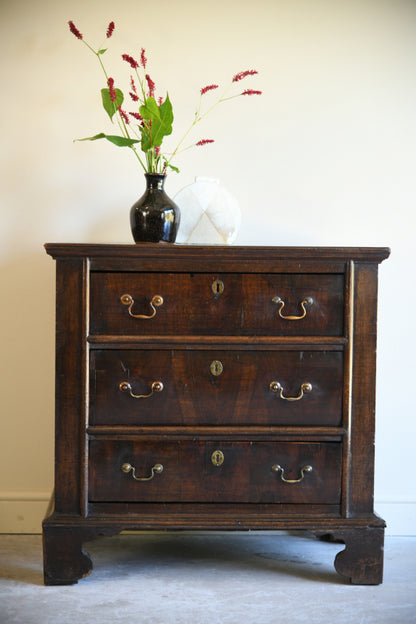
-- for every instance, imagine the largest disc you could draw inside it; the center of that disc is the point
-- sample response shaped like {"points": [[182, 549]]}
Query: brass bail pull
{"points": [[157, 386], [277, 468], [155, 302], [308, 301], [156, 469], [277, 387]]}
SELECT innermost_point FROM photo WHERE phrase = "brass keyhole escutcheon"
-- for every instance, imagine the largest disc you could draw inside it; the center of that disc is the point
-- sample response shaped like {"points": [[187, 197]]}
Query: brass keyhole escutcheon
{"points": [[217, 287], [216, 368], [217, 458]]}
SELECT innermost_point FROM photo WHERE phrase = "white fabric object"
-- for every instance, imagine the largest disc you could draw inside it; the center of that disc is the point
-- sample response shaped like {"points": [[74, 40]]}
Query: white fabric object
{"points": [[210, 215]]}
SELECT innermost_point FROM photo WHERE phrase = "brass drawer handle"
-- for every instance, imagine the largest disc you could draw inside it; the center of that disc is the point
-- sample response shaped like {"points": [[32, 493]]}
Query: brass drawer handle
{"points": [[277, 468], [128, 300], [156, 469], [157, 386], [308, 301], [275, 386]]}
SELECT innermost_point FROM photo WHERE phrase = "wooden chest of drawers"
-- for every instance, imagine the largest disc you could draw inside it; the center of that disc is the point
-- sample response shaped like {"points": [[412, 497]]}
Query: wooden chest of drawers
{"points": [[226, 388]]}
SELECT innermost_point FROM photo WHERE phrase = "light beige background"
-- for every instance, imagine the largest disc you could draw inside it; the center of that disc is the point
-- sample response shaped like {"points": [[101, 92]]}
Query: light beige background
{"points": [[325, 157]]}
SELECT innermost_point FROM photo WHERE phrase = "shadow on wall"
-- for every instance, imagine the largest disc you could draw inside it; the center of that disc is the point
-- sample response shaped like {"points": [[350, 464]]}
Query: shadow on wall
{"points": [[27, 371]]}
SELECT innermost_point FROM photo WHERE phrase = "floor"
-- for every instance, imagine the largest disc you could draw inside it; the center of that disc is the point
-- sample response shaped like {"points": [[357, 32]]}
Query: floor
{"points": [[206, 578]]}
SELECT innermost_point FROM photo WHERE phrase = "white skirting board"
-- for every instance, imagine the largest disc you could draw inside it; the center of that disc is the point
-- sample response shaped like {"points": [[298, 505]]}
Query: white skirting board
{"points": [[23, 512], [399, 516]]}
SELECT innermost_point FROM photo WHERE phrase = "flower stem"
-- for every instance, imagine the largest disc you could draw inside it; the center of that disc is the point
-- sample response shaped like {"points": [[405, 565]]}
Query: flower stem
{"points": [[198, 118], [120, 120]]}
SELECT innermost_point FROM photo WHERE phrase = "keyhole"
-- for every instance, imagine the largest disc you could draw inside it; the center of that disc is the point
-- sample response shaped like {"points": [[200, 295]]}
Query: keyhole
{"points": [[216, 368], [217, 458], [217, 287]]}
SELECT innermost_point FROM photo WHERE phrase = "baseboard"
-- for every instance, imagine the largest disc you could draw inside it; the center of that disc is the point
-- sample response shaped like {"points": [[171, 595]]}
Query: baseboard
{"points": [[23, 512], [400, 516]]}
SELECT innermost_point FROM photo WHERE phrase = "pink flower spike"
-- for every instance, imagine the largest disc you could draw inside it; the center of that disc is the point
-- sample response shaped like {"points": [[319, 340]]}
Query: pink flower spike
{"points": [[110, 29], [251, 92], [133, 84], [143, 58], [123, 115], [243, 74], [205, 141], [136, 116], [134, 64], [160, 101], [134, 96], [113, 94], [208, 88], [151, 86], [74, 30]]}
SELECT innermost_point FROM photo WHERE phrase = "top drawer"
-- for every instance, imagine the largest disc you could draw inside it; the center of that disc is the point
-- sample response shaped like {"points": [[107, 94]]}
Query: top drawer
{"points": [[141, 304]]}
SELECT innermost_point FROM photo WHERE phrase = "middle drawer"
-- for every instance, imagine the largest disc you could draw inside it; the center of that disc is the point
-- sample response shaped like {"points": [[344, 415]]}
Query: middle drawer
{"points": [[215, 387]]}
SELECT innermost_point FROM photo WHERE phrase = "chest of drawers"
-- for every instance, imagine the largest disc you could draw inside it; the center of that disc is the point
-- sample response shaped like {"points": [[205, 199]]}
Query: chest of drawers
{"points": [[227, 388]]}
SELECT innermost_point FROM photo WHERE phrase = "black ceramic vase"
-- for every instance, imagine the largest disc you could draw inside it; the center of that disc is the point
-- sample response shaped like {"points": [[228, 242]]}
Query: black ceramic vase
{"points": [[154, 218]]}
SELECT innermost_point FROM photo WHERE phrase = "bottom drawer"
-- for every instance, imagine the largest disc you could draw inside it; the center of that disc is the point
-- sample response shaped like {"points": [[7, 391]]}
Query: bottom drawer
{"points": [[229, 472]]}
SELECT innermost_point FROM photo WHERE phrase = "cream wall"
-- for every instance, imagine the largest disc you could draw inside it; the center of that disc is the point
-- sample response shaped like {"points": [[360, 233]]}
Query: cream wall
{"points": [[325, 157]]}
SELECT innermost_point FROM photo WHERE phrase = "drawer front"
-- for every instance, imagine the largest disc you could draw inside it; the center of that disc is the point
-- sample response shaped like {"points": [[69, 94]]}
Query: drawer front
{"points": [[215, 387], [216, 472], [142, 304]]}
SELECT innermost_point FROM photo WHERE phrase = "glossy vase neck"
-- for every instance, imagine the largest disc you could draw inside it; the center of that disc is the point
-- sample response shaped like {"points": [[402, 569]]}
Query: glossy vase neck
{"points": [[155, 181]]}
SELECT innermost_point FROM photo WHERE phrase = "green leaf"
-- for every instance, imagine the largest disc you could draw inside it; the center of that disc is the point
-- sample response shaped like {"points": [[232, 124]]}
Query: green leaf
{"points": [[120, 141], [160, 117], [146, 139], [166, 119], [102, 51], [109, 106], [149, 110], [172, 167]]}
